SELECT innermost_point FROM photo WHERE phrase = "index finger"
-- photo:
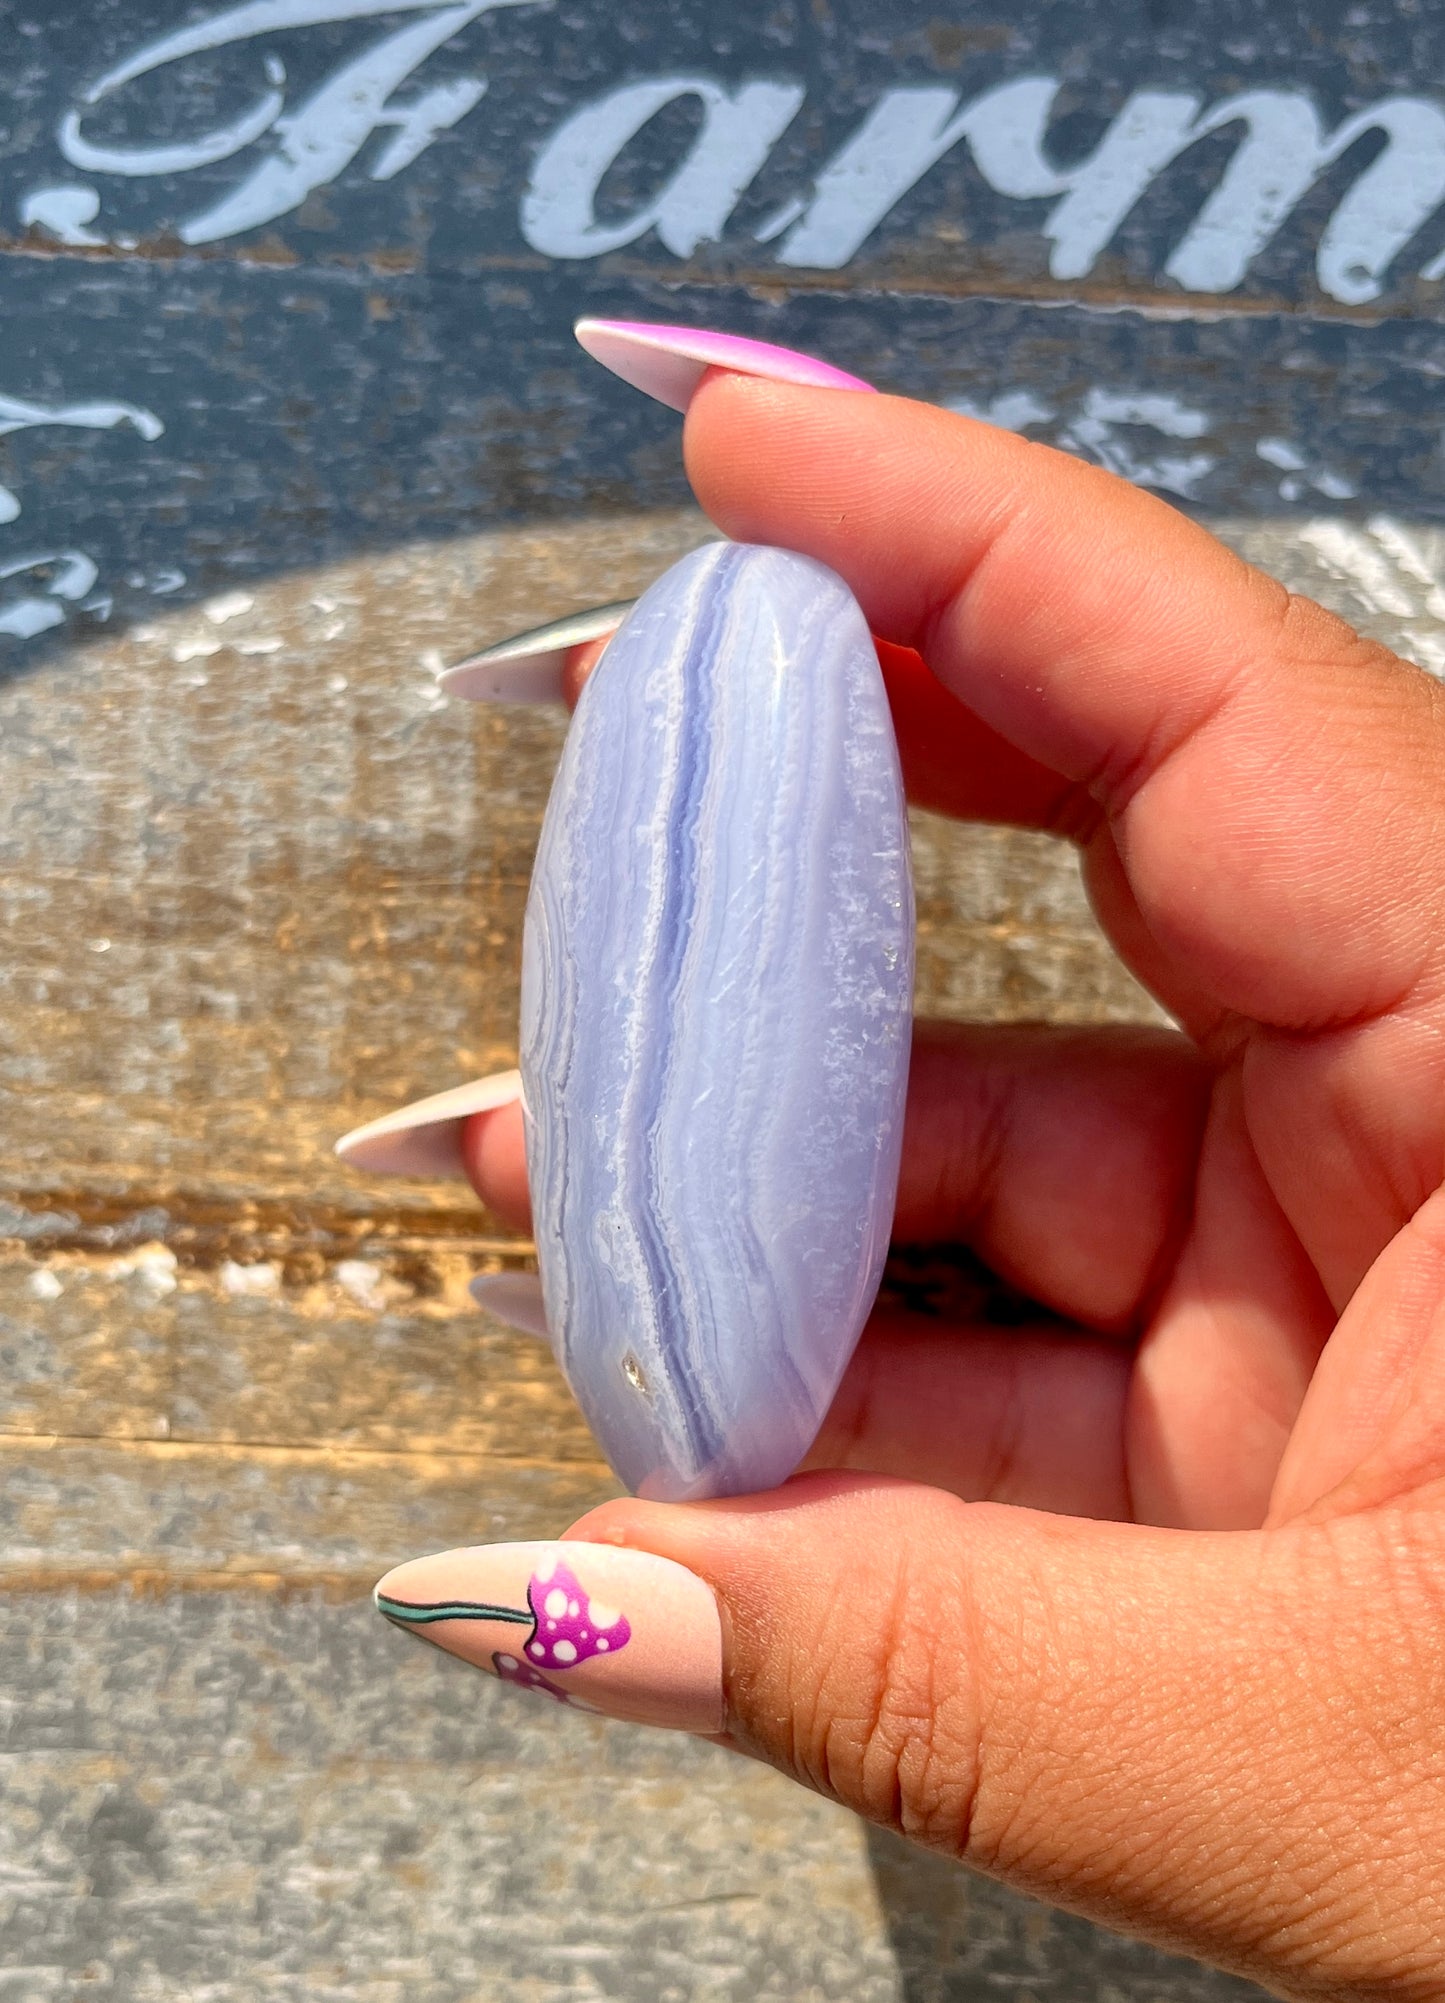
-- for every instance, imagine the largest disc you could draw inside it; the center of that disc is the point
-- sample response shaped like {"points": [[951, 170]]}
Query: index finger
{"points": [[1272, 780], [952, 763]]}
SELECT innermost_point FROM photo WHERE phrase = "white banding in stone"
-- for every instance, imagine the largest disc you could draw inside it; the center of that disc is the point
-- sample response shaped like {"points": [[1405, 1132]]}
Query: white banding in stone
{"points": [[717, 983]]}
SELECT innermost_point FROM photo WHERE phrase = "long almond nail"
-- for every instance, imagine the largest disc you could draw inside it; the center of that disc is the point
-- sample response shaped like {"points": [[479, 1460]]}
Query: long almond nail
{"points": [[425, 1138], [589, 1625], [670, 362], [530, 667], [515, 1298]]}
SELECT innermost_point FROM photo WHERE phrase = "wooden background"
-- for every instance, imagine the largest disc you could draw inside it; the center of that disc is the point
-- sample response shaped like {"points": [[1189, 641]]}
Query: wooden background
{"points": [[259, 883]]}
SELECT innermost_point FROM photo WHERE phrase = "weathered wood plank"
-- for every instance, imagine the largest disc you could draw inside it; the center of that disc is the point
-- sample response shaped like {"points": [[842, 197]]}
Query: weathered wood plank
{"points": [[309, 897], [376, 1354], [165, 1511], [279, 1798], [248, 908], [257, 885], [321, 1786], [197, 1480], [498, 92], [284, 449]]}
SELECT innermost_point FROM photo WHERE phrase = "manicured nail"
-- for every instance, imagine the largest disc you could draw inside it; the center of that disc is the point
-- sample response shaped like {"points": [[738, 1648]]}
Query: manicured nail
{"points": [[670, 362], [529, 667], [590, 1625], [515, 1298], [425, 1138]]}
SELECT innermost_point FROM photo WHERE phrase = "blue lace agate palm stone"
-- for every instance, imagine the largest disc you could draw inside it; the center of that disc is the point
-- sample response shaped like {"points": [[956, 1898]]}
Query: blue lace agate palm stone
{"points": [[717, 975]]}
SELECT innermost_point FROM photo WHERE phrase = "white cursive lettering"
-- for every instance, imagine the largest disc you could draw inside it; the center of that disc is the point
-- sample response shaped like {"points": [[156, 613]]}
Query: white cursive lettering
{"points": [[1282, 147], [18, 415], [740, 128], [68, 575], [323, 135], [1283, 152], [908, 131]]}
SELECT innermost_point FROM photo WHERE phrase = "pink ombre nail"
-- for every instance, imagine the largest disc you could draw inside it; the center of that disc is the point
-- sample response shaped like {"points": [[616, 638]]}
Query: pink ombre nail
{"points": [[515, 1298], [425, 1138], [669, 362], [531, 666]]}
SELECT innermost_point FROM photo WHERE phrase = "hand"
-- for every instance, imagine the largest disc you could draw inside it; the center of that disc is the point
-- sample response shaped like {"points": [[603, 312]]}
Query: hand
{"points": [[1162, 1638]]}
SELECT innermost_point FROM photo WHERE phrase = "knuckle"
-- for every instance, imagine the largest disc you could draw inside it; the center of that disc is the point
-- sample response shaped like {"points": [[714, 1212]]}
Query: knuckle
{"points": [[886, 1717], [1306, 633]]}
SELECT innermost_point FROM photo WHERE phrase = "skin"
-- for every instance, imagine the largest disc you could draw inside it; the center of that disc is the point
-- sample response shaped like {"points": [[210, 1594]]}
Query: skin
{"points": [[1141, 1609]]}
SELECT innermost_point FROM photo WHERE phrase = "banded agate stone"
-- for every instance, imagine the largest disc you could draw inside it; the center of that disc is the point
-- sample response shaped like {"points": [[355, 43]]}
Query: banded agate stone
{"points": [[717, 974]]}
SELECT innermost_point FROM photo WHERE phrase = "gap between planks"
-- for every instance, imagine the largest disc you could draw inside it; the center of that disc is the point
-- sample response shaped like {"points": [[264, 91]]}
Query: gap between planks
{"points": [[414, 1461], [152, 1580], [766, 281]]}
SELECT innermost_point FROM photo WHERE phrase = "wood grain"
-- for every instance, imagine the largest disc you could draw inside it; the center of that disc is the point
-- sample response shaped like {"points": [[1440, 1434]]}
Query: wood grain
{"points": [[258, 886]]}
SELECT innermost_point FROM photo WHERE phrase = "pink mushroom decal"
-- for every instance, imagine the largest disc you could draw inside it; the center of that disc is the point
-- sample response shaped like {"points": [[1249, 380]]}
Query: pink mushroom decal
{"points": [[568, 1627]]}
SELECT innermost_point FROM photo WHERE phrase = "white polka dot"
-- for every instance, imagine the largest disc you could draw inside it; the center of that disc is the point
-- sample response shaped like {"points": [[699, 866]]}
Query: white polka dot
{"points": [[601, 1616], [572, 1608], [565, 1652], [556, 1603], [536, 1649], [508, 1662], [583, 1635], [603, 1644], [551, 1627]]}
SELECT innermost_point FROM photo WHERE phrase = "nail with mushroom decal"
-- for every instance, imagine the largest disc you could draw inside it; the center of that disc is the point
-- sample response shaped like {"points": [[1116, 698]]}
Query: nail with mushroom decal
{"points": [[669, 362], [595, 1627]]}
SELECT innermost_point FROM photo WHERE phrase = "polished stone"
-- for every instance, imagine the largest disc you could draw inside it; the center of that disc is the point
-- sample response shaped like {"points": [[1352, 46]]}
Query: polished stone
{"points": [[716, 1007]]}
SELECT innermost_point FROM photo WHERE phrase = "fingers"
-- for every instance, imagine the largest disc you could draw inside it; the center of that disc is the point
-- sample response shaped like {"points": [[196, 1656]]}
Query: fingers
{"points": [[1120, 645], [1067, 1160], [1271, 782], [494, 1160], [1064, 1157], [1029, 1416], [578, 665], [1016, 1415], [1194, 1738], [1372, 1429], [952, 763], [1226, 1359]]}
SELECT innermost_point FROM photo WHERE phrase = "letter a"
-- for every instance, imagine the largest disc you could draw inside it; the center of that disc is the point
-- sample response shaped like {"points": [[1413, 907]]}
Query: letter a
{"points": [[740, 129]]}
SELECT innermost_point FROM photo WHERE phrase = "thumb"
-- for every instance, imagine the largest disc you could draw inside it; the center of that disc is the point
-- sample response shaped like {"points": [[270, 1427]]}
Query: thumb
{"points": [[1193, 1737]]}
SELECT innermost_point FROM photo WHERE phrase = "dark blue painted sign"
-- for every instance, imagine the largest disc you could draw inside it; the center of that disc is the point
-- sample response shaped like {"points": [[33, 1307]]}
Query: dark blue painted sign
{"points": [[287, 276]]}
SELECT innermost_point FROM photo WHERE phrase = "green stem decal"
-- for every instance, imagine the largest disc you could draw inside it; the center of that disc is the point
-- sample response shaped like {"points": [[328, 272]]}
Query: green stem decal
{"points": [[423, 1616]]}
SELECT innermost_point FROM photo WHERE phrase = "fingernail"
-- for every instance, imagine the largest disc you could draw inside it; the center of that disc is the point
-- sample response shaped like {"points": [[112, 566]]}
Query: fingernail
{"points": [[515, 1298], [425, 1138], [670, 362], [529, 667], [589, 1625]]}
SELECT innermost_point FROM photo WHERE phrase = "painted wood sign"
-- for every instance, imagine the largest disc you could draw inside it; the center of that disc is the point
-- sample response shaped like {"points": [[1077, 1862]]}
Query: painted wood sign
{"points": [[289, 276]]}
